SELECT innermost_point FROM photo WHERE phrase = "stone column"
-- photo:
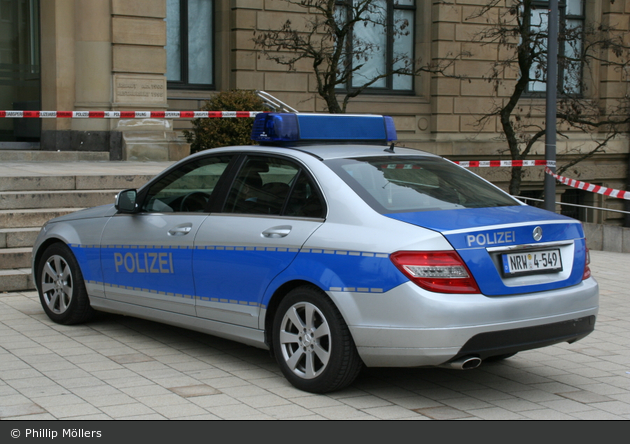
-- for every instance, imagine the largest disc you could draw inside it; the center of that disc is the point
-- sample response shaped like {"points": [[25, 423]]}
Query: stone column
{"points": [[139, 80], [76, 75], [57, 62], [93, 67]]}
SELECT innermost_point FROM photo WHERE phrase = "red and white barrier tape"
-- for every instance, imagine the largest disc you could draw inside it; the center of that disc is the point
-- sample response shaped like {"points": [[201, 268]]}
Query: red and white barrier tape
{"points": [[125, 114], [505, 163], [480, 163], [590, 187]]}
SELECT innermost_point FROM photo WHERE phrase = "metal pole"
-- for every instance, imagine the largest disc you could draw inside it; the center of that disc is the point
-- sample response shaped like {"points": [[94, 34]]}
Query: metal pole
{"points": [[627, 202], [550, 118]]}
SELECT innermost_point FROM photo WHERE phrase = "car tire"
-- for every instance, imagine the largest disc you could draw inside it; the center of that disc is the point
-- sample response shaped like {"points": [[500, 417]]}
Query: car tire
{"points": [[61, 287], [312, 343]]}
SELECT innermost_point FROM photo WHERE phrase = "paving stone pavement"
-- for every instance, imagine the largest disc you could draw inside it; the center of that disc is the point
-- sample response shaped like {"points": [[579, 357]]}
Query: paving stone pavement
{"points": [[118, 367]]}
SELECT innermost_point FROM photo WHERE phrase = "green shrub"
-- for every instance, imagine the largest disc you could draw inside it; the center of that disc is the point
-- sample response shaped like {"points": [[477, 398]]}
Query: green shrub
{"points": [[217, 132]]}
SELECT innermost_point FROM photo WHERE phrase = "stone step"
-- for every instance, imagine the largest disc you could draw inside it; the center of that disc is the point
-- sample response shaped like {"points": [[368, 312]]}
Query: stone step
{"points": [[112, 182], [88, 182], [31, 217], [18, 237], [16, 280], [17, 200], [38, 186], [52, 156], [12, 258]]}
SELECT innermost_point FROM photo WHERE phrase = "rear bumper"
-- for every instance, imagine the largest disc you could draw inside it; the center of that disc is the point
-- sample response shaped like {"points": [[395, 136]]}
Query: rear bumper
{"points": [[441, 328], [485, 345], [482, 344]]}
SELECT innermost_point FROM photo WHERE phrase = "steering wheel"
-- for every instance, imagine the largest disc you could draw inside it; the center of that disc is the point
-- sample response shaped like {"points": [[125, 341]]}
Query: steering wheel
{"points": [[194, 202]]}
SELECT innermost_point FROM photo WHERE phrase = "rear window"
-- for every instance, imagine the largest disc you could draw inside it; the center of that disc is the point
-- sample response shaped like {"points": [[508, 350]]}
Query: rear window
{"points": [[393, 184]]}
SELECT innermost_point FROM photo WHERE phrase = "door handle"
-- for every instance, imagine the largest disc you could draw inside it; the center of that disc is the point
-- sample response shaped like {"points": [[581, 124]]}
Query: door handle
{"points": [[180, 230], [276, 232]]}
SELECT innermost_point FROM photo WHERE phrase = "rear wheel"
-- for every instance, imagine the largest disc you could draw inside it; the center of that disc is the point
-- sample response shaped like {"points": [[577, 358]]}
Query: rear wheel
{"points": [[312, 342], [61, 288]]}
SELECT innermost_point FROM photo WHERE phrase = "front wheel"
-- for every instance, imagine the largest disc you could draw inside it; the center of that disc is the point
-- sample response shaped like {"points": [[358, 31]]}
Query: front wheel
{"points": [[61, 288], [312, 342]]}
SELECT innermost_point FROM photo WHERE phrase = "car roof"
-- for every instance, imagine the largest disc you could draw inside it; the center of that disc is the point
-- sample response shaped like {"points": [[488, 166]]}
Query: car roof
{"points": [[329, 151]]}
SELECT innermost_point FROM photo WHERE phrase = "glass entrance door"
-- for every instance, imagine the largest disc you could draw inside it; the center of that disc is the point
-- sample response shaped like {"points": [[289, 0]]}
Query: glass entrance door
{"points": [[20, 80]]}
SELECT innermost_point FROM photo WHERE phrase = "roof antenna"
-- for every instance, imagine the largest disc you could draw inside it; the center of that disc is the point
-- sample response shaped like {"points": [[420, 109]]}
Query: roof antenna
{"points": [[390, 149], [276, 104]]}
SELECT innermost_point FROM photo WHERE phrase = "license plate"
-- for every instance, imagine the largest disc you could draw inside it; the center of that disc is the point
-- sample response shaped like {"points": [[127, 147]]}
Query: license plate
{"points": [[532, 262]]}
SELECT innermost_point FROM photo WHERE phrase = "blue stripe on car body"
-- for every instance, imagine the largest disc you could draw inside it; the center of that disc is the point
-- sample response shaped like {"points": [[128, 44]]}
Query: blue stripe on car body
{"points": [[332, 270]]}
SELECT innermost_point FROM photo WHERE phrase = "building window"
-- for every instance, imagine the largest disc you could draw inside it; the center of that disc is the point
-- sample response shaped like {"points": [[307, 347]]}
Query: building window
{"points": [[190, 44], [577, 203], [571, 14], [383, 42]]}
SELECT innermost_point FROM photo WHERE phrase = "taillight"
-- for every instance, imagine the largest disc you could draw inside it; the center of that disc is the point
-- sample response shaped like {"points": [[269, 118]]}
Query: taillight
{"points": [[587, 270], [437, 271]]}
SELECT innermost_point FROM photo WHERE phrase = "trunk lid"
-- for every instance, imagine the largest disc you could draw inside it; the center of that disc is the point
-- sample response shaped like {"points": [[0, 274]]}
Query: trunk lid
{"points": [[512, 249]]}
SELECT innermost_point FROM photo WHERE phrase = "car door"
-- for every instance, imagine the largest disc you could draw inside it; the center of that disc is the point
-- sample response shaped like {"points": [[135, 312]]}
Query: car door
{"points": [[271, 209], [146, 257]]}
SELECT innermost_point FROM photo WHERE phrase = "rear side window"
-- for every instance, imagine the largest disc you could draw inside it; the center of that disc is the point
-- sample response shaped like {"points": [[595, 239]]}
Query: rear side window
{"points": [[304, 201], [411, 184], [268, 185]]}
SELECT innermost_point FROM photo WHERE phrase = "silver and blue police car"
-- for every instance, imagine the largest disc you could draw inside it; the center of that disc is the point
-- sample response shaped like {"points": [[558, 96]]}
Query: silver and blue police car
{"points": [[330, 247]]}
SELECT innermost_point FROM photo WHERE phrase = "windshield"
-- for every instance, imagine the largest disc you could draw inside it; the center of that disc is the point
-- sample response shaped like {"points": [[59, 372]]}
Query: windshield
{"points": [[393, 184]]}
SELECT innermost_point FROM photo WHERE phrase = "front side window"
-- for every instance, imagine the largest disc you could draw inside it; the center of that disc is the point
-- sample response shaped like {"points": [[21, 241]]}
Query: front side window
{"points": [[411, 184], [571, 15], [188, 188], [190, 44], [380, 44]]}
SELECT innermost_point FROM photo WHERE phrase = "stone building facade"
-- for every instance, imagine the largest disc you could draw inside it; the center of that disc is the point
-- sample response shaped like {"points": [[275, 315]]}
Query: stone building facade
{"points": [[153, 55]]}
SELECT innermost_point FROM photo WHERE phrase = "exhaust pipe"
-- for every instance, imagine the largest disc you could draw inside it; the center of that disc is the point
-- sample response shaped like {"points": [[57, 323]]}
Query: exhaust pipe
{"points": [[465, 363]]}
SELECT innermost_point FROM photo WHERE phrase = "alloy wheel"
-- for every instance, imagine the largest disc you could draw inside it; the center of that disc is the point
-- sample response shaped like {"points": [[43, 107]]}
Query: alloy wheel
{"points": [[56, 284], [305, 340]]}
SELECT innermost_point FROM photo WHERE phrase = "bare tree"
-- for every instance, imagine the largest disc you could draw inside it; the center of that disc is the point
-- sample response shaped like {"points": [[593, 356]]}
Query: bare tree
{"points": [[331, 36], [335, 37], [520, 32]]}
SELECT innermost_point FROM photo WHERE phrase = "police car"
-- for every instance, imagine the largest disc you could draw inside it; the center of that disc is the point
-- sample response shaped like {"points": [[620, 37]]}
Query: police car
{"points": [[330, 247]]}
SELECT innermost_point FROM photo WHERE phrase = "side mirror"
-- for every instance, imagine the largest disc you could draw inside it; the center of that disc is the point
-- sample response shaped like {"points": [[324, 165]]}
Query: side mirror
{"points": [[126, 201]]}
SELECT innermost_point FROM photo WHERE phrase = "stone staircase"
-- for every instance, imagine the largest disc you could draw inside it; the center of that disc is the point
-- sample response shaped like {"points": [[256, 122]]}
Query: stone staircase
{"points": [[28, 201]]}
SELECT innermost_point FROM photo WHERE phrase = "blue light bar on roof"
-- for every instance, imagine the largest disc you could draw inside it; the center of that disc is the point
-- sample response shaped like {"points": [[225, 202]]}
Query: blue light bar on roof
{"points": [[288, 128]]}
